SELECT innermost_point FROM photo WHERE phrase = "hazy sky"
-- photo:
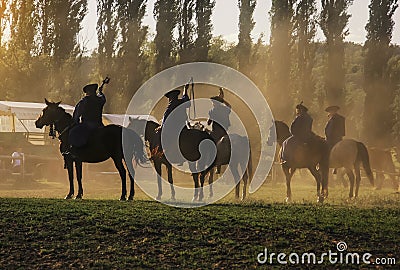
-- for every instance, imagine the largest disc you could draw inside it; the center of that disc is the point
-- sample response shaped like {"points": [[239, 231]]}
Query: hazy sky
{"points": [[226, 16]]}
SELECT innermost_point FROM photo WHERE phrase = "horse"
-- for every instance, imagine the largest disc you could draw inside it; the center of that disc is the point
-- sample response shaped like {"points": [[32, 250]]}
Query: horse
{"points": [[348, 154], [382, 163], [189, 141], [225, 143], [106, 142]]}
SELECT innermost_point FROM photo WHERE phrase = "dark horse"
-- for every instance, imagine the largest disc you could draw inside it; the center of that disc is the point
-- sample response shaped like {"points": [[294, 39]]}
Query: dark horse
{"points": [[239, 144], [347, 153], [314, 156], [189, 141], [104, 143]]}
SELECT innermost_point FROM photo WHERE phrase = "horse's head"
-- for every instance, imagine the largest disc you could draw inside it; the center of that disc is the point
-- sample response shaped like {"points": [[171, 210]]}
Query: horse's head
{"points": [[136, 124], [50, 114], [282, 131], [271, 135], [142, 126]]}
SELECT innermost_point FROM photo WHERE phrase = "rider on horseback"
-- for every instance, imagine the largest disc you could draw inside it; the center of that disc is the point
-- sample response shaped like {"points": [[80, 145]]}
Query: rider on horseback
{"points": [[174, 101], [335, 128], [179, 119], [301, 127], [219, 115], [87, 115], [219, 118]]}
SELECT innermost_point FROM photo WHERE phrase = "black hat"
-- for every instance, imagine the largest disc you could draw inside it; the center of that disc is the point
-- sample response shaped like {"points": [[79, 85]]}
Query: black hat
{"points": [[172, 93], [217, 98], [90, 88], [301, 107], [333, 108]]}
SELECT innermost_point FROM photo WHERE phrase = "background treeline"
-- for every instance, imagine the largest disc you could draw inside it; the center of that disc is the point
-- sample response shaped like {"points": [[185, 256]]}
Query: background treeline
{"points": [[42, 56]]}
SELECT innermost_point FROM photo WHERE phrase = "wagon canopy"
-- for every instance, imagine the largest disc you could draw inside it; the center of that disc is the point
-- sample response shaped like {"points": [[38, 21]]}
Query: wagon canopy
{"points": [[123, 119], [21, 116]]}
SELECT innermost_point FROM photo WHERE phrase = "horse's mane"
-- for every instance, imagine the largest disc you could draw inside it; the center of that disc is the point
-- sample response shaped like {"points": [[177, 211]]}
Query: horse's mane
{"points": [[281, 123], [65, 112], [143, 120]]}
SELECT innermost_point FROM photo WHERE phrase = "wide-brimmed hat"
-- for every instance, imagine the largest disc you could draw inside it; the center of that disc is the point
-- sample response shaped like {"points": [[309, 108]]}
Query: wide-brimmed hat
{"points": [[217, 98], [301, 107], [333, 108], [172, 93], [90, 88]]}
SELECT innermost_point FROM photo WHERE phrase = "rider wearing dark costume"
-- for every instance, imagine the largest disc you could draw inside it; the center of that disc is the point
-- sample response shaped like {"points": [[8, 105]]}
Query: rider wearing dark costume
{"points": [[219, 116], [179, 119], [301, 127], [335, 127], [87, 115], [173, 102]]}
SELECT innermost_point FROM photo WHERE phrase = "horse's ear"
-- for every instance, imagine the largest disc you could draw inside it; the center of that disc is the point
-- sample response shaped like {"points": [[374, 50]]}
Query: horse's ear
{"points": [[58, 103], [47, 102], [130, 119]]}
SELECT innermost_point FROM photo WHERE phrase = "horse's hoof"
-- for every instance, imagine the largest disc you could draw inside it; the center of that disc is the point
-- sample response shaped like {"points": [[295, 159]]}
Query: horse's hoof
{"points": [[158, 198], [194, 199], [173, 198], [288, 200], [78, 197], [69, 197], [320, 199], [122, 199], [130, 198]]}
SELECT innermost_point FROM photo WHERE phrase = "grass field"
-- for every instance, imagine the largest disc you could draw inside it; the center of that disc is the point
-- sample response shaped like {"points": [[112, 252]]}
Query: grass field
{"points": [[101, 232]]}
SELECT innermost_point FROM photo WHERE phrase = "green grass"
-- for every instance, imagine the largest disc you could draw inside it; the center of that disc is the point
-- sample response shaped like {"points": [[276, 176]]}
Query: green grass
{"points": [[39, 233]]}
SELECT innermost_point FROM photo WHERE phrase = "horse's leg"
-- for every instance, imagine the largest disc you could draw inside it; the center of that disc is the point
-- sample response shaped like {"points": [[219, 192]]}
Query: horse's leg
{"points": [[131, 174], [192, 167], [236, 178], [245, 178], [157, 166], [358, 177], [288, 176], [70, 168], [210, 182], [196, 186], [317, 177], [395, 182], [170, 180], [78, 169], [122, 173], [379, 180], [202, 179], [350, 174]]}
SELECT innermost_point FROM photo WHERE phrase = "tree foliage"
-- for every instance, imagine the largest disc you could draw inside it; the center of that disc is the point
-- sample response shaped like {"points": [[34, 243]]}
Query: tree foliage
{"points": [[279, 71], [204, 10], [333, 21], [379, 94], [186, 31], [246, 25], [165, 13], [305, 29]]}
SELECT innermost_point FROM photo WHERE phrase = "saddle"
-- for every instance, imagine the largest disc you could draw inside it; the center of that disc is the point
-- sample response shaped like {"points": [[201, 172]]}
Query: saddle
{"points": [[79, 134], [198, 126]]}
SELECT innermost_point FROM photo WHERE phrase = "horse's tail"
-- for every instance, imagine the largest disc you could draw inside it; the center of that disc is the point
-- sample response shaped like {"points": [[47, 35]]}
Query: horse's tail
{"points": [[134, 146], [363, 156]]}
